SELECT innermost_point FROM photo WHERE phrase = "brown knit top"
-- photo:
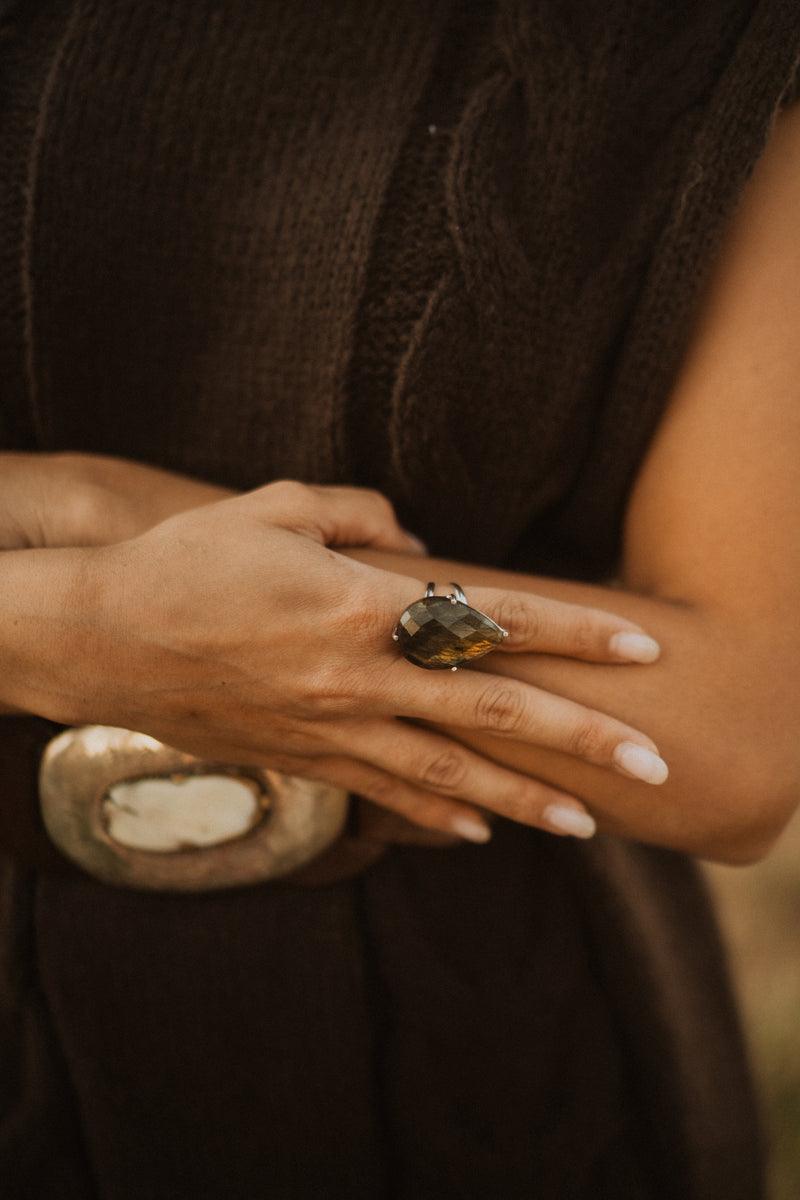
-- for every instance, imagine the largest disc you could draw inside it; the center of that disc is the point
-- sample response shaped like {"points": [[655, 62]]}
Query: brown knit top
{"points": [[450, 250]]}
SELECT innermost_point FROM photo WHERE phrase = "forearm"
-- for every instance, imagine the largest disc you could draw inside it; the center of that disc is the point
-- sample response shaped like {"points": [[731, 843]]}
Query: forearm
{"points": [[708, 703], [43, 602], [49, 500]]}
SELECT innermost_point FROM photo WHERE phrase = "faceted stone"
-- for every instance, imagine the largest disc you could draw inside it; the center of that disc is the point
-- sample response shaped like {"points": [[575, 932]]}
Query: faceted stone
{"points": [[439, 633]]}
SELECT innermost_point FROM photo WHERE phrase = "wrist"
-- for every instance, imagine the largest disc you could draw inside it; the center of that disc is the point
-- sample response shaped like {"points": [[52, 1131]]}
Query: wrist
{"points": [[47, 598], [46, 500], [73, 499]]}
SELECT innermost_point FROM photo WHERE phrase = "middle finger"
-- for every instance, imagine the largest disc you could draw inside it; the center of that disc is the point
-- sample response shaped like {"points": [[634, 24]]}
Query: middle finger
{"points": [[507, 707]]}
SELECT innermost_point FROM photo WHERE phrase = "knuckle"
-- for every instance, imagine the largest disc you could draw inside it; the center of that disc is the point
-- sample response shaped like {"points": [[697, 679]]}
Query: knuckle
{"points": [[382, 504], [382, 789], [289, 495], [534, 621], [361, 620], [588, 740], [325, 693], [332, 691], [500, 709], [445, 771], [521, 618], [87, 508], [583, 633]]}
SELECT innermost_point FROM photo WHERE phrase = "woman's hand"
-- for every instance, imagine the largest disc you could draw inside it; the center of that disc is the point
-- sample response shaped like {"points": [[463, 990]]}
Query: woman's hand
{"points": [[235, 632], [711, 565]]}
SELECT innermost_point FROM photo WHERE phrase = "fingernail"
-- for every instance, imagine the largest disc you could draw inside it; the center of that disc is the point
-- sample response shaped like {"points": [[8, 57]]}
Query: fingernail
{"points": [[640, 763], [573, 821], [416, 542], [471, 828], [635, 647]]}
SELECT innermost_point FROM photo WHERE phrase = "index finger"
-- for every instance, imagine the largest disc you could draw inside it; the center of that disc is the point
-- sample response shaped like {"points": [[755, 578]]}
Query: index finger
{"points": [[538, 624]]}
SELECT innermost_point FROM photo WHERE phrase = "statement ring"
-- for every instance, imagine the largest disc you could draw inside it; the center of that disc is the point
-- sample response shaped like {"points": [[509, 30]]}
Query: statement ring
{"points": [[440, 633]]}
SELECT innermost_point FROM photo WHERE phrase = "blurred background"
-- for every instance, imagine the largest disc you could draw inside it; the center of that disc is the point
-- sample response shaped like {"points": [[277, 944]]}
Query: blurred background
{"points": [[759, 908]]}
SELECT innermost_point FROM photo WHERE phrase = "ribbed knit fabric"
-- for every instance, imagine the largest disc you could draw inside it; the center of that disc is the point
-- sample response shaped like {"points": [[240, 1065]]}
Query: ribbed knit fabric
{"points": [[524, 201], [218, 269], [450, 250]]}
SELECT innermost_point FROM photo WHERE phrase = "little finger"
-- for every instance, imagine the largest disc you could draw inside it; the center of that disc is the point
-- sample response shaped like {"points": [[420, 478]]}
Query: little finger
{"points": [[424, 808], [434, 763]]}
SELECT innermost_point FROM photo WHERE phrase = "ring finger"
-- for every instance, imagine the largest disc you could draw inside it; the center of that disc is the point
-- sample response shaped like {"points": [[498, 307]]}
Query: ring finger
{"points": [[428, 763]]}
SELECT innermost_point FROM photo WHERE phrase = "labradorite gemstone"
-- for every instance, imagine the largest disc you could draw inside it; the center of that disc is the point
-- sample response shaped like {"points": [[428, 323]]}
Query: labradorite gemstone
{"points": [[438, 633]]}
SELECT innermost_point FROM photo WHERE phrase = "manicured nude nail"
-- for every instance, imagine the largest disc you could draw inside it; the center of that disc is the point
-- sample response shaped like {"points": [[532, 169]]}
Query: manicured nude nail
{"points": [[640, 763], [563, 819], [471, 828], [635, 647]]}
